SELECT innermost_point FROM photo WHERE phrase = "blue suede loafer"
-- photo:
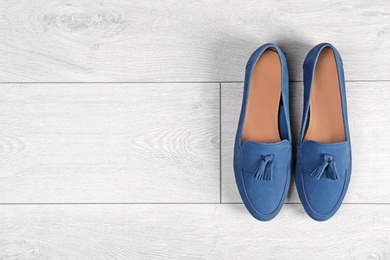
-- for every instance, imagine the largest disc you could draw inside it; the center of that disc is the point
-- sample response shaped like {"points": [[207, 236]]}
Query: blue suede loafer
{"points": [[323, 167], [262, 151]]}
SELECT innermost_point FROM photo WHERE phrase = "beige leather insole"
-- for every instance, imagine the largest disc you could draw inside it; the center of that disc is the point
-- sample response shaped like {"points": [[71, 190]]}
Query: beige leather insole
{"points": [[326, 123], [261, 120]]}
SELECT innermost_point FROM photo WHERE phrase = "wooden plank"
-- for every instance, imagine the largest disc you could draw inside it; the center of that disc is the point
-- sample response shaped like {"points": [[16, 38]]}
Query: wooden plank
{"points": [[369, 125], [189, 232], [114, 143], [106, 41]]}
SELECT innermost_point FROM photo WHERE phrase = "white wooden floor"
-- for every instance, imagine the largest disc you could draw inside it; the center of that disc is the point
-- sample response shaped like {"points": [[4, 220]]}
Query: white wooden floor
{"points": [[117, 120]]}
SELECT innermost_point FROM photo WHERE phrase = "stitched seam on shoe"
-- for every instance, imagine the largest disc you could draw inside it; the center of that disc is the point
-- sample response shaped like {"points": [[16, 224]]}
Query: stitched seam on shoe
{"points": [[266, 144], [281, 167], [343, 169], [325, 144]]}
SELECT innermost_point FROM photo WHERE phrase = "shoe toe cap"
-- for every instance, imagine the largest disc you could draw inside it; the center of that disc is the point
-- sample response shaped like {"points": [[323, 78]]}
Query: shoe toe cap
{"points": [[322, 176], [322, 197], [265, 198]]}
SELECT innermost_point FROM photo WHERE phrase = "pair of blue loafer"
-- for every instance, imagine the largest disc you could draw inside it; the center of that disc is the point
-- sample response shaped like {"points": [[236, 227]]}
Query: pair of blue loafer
{"points": [[263, 151]]}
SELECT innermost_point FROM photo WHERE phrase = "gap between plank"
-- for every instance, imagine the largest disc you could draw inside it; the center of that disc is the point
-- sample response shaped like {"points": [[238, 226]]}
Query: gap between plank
{"points": [[220, 142]]}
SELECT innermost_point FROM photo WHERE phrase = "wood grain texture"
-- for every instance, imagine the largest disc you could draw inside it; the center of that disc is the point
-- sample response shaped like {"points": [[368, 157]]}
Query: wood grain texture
{"points": [[106, 41], [369, 126], [190, 232], [62, 143]]}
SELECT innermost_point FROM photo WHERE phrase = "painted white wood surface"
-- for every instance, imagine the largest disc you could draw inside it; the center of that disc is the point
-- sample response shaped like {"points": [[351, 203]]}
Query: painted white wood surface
{"points": [[369, 124], [106, 41], [111, 143], [153, 150], [190, 232]]}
